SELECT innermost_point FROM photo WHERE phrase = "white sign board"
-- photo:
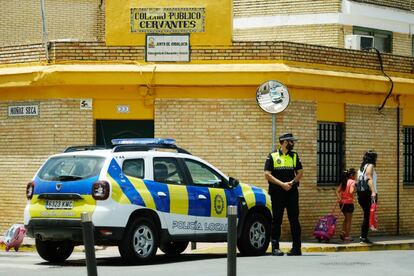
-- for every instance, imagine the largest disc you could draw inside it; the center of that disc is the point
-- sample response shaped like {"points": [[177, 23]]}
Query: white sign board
{"points": [[166, 48], [85, 104], [23, 110], [123, 108]]}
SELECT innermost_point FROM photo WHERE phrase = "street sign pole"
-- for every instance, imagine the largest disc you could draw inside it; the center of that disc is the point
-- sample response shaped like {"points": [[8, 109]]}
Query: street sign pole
{"points": [[273, 132]]}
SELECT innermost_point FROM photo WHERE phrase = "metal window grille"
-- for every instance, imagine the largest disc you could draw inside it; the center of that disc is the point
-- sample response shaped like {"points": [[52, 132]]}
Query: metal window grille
{"points": [[409, 155], [330, 151]]}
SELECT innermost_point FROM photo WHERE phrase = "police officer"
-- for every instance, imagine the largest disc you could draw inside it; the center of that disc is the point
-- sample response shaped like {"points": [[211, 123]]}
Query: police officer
{"points": [[283, 170]]}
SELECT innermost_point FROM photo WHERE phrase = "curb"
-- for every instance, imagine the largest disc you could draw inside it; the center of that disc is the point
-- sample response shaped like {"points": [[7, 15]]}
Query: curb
{"points": [[315, 249], [23, 248], [309, 249], [356, 248]]}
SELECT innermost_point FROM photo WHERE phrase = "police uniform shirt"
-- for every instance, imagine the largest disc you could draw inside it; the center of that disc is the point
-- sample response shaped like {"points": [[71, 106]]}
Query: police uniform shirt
{"points": [[285, 169]]}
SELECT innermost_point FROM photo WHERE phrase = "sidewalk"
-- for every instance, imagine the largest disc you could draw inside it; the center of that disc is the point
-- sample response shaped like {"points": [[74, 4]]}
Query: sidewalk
{"points": [[380, 243]]}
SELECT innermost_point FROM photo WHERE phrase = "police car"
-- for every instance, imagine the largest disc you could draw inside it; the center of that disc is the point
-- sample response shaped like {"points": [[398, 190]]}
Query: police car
{"points": [[143, 194]]}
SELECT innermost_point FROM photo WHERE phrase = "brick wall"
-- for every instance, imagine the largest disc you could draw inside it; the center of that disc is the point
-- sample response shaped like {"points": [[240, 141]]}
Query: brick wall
{"points": [[27, 141], [235, 135], [210, 128], [101, 21], [21, 23], [253, 51], [284, 7], [367, 129], [398, 4], [406, 192], [22, 54], [401, 44], [325, 35], [232, 134], [240, 130]]}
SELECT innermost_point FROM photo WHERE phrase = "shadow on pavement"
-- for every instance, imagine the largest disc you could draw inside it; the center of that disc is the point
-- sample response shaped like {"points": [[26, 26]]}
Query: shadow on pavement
{"points": [[158, 259]]}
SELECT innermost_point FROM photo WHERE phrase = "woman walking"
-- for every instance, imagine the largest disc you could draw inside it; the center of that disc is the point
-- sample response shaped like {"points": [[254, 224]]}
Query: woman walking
{"points": [[367, 195]]}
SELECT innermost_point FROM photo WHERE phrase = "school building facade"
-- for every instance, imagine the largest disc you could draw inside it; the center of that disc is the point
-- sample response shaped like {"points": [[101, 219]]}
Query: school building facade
{"points": [[99, 78]]}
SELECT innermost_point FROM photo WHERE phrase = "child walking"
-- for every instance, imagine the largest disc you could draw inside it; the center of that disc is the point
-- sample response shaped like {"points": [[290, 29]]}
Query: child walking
{"points": [[345, 194]]}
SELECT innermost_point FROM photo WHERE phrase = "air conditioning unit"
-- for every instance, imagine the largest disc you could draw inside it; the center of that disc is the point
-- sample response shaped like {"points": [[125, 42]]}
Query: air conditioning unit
{"points": [[359, 42]]}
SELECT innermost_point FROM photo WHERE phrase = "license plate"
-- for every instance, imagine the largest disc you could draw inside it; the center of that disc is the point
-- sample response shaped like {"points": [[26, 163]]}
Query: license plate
{"points": [[59, 204]]}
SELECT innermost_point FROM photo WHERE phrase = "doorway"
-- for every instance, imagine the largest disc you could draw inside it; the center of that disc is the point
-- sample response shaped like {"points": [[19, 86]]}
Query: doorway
{"points": [[106, 130]]}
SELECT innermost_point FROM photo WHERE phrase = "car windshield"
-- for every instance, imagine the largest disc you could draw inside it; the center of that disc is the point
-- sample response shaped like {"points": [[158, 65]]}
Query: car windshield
{"points": [[70, 168]]}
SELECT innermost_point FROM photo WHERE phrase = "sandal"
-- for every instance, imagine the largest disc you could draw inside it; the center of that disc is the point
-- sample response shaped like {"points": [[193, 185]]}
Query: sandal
{"points": [[348, 239]]}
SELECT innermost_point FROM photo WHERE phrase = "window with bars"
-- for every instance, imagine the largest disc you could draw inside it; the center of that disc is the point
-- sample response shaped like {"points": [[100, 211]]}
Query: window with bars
{"points": [[409, 155], [330, 150]]}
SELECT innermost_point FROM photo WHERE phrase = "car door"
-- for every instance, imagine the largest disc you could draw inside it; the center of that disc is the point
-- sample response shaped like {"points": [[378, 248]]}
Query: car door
{"points": [[210, 198], [168, 172]]}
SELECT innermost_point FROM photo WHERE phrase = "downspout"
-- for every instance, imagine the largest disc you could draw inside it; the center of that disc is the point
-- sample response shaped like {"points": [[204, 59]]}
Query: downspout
{"points": [[44, 31], [398, 164]]}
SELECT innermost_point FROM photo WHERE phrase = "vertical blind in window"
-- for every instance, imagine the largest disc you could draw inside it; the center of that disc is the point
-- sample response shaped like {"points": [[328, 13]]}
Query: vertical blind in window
{"points": [[330, 153]]}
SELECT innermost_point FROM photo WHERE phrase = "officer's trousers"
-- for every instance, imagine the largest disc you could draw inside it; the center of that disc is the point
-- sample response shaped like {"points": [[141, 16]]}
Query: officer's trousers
{"points": [[290, 201]]}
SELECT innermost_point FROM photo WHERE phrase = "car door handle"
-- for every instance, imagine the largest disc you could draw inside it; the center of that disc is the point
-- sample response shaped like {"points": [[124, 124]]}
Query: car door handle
{"points": [[161, 194], [202, 197]]}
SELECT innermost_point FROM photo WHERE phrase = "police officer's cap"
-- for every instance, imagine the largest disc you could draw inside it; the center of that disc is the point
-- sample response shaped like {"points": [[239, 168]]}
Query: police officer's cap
{"points": [[287, 137]]}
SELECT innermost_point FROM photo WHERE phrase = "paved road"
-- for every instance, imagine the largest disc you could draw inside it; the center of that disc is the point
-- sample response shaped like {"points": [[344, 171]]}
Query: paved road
{"points": [[370, 263]]}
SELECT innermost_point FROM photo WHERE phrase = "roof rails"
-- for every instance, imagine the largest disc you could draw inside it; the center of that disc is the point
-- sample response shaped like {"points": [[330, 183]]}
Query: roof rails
{"points": [[145, 144], [82, 148]]}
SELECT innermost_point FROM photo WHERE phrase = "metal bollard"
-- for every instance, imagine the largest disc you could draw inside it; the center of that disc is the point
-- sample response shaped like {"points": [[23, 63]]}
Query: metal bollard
{"points": [[231, 240], [88, 241]]}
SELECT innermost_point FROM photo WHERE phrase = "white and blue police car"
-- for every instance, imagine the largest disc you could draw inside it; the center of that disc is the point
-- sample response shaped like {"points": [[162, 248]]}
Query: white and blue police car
{"points": [[143, 194]]}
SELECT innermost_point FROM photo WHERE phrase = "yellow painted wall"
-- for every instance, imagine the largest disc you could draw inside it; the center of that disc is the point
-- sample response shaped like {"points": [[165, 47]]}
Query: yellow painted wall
{"points": [[105, 99], [330, 112], [407, 110], [408, 116], [140, 100], [218, 21]]}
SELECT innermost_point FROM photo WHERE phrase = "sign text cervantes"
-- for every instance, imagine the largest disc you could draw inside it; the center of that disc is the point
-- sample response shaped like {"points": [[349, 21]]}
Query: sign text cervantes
{"points": [[167, 20]]}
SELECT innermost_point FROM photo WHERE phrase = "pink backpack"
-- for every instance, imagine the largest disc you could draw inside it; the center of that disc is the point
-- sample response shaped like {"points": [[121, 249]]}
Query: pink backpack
{"points": [[325, 228]]}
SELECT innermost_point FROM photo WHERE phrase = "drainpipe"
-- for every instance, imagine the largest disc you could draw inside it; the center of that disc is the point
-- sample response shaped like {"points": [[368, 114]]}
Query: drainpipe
{"points": [[398, 164], [44, 31]]}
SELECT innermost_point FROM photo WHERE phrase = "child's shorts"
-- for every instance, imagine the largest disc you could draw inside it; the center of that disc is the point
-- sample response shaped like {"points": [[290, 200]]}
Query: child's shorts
{"points": [[347, 207]]}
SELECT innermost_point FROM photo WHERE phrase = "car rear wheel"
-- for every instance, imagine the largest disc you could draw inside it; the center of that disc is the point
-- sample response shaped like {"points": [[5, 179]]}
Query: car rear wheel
{"points": [[173, 248], [255, 237], [140, 242], [54, 251]]}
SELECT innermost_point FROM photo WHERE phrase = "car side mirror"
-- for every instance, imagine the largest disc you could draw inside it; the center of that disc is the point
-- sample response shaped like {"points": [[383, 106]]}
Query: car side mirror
{"points": [[233, 182]]}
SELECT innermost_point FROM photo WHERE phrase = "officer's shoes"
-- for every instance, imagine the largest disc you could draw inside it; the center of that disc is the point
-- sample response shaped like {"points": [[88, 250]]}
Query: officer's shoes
{"points": [[294, 252], [277, 252]]}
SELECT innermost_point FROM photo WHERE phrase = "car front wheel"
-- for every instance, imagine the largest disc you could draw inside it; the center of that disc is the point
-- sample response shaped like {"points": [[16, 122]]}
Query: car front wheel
{"points": [[255, 237], [140, 242]]}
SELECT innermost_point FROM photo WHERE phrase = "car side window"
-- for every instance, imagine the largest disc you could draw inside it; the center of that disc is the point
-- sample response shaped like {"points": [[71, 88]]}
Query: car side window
{"points": [[166, 170], [203, 175], [134, 168]]}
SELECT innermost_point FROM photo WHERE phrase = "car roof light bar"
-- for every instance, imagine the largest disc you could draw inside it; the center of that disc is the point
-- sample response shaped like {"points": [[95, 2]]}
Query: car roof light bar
{"points": [[143, 141], [145, 144]]}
